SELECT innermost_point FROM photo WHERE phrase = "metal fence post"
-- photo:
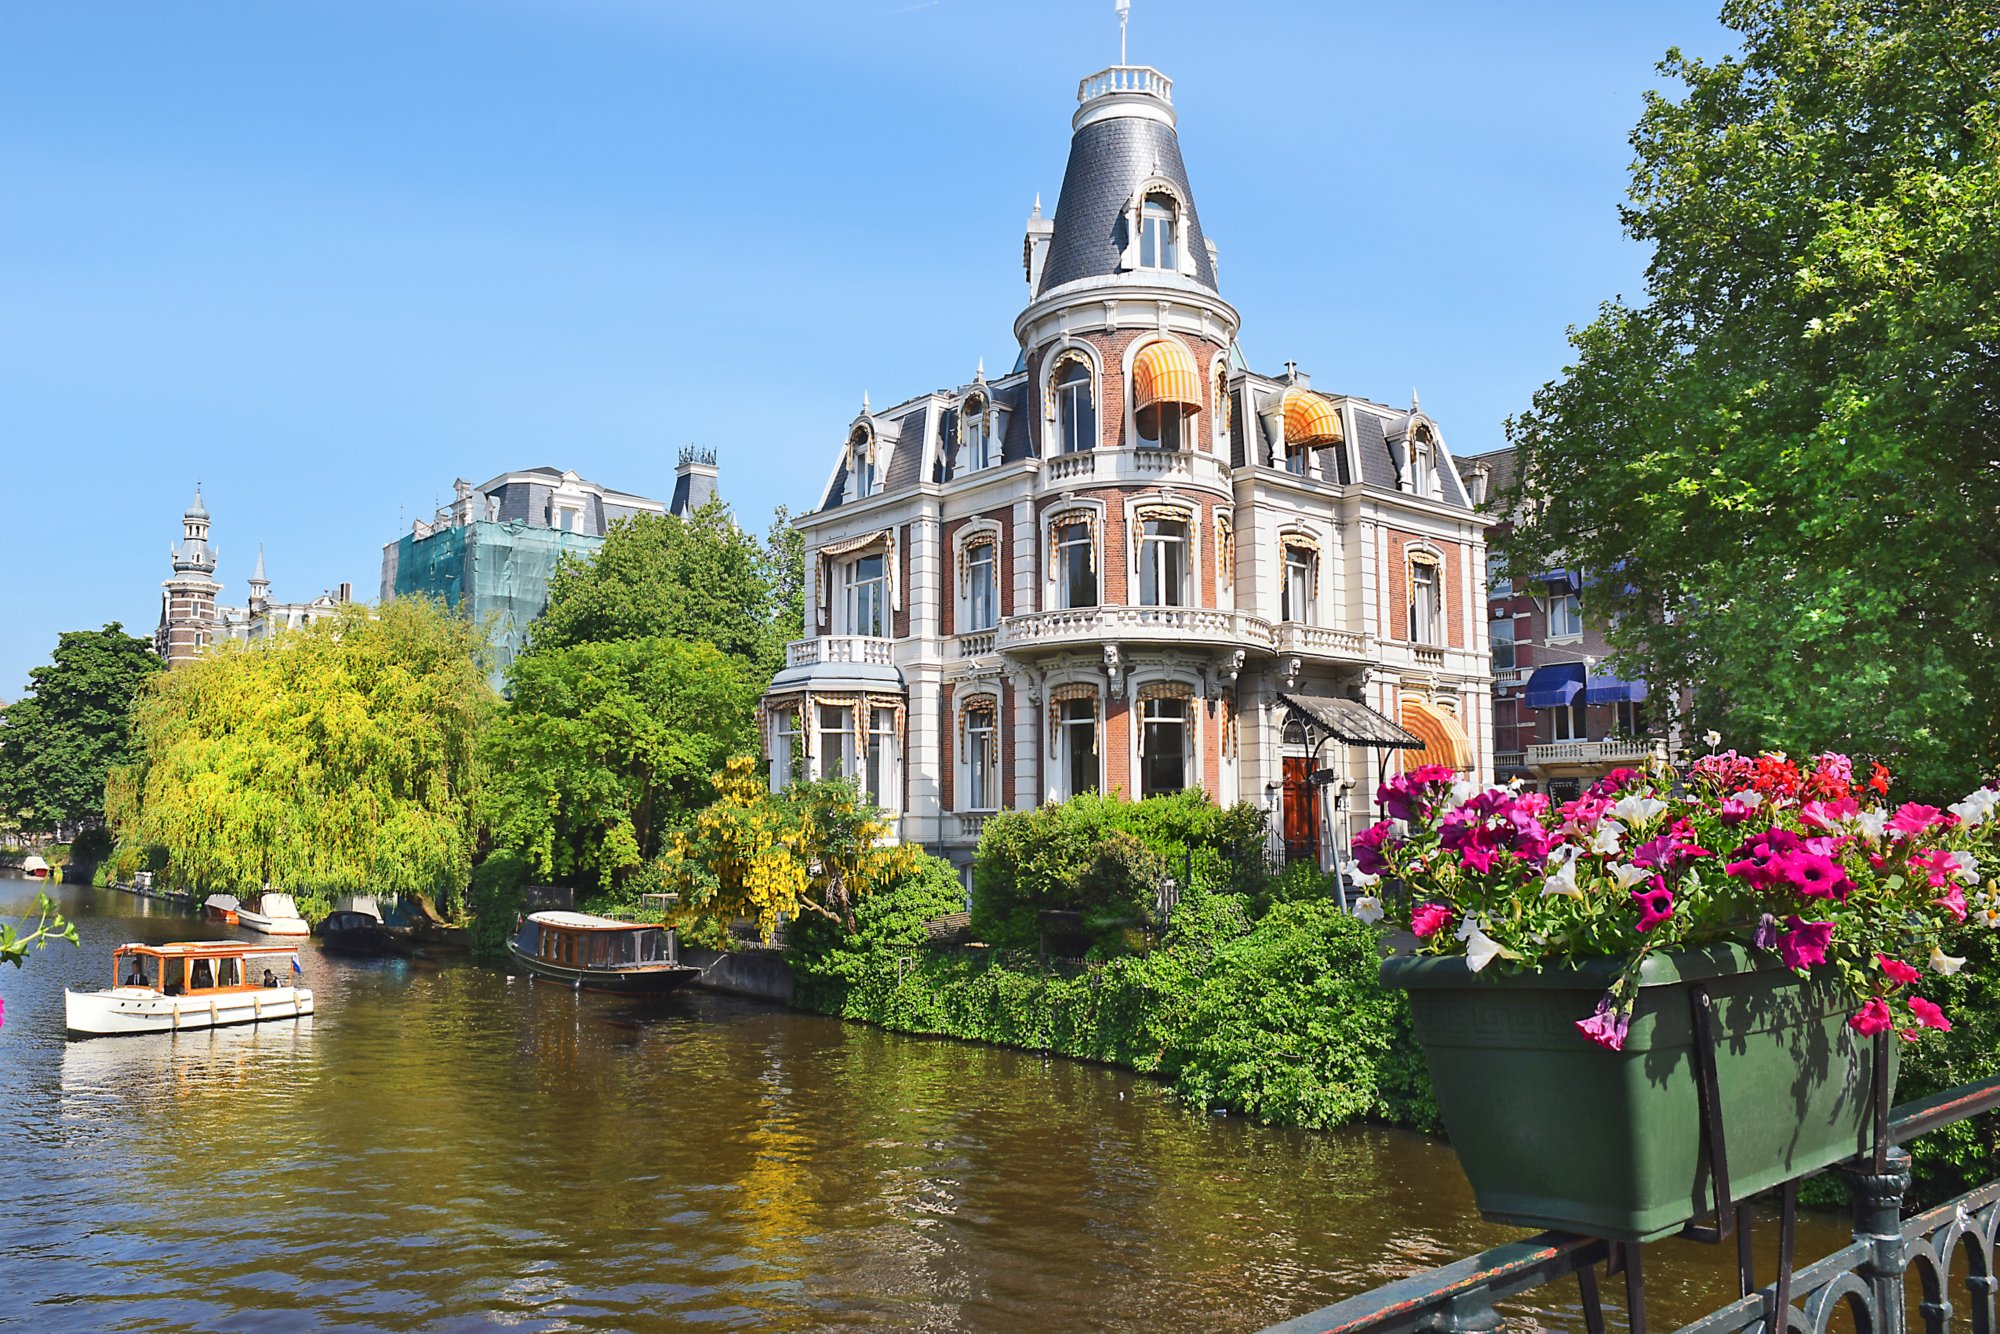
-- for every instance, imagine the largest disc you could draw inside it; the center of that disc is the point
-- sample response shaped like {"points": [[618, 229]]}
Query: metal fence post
{"points": [[1878, 1225]]}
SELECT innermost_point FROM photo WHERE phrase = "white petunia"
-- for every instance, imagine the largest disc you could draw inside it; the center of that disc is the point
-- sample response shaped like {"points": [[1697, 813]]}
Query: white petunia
{"points": [[1977, 807], [1965, 867], [1563, 880], [1480, 948], [1872, 824], [1605, 841], [1628, 876], [1713, 738], [1638, 809], [1944, 963], [1368, 909], [1749, 796], [1463, 791]]}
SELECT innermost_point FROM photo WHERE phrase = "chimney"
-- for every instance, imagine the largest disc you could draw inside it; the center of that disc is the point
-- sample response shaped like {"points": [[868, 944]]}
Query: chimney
{"points": [[694, 481], [346, 592]]}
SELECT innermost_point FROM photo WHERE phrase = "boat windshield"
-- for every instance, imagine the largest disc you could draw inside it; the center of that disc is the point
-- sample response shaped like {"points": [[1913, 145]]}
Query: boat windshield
{"points": [[137, 970]]}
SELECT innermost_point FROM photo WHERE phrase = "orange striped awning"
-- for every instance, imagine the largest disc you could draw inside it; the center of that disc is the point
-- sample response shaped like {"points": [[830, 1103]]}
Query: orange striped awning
{"points": [[1444, 738], [1165, 373], [1310, 419]]}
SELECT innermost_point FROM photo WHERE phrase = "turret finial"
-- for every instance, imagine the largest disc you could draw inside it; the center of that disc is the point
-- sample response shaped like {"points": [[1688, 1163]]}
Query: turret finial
{"points": [[1416, 404]]}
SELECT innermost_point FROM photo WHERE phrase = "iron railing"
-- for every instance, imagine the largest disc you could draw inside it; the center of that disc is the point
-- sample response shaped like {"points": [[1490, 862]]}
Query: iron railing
{"points": [[1867, 1280]]}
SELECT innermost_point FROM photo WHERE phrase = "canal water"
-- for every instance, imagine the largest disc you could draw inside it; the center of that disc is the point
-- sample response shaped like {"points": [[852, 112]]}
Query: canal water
{"points": [[443, 1147]]}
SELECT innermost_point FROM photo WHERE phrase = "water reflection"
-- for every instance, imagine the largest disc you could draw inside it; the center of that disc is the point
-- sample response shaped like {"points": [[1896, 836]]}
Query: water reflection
{"points": [[442, 1147]]}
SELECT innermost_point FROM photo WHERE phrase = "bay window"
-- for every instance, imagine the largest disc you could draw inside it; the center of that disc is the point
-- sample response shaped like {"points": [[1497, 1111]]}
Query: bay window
{"points": [[1163, 563], [1076, 409], [835, 742], [865, 596], [787, 754], [881, 775]]}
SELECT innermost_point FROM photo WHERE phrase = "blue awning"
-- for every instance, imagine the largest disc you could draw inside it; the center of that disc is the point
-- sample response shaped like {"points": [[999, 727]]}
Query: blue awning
{"points": [[1561, 581], [1555, 686], [1611, 690]]}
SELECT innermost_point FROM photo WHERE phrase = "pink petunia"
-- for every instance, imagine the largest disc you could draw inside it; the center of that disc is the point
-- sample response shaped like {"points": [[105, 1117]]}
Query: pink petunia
{"points": [[1607, 1027], [1811, 875], [1872, 1018], [1429, 919], [1829, 815], [1911, 818], [1896, 970], [1953, 902], [1656, 905], [1371, 843], [1478, 859], [1805, 944], [1929, 1015]]}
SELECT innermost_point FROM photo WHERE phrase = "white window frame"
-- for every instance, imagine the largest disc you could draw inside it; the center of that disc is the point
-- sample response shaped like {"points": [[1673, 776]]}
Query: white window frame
{"points": [[833, 750], [1065, 551], [1190, 742], [1499, 584], [1152, 549], [1159, 232], [1427, 631], [853, 602], [1169, 427], [786, 751], [1065, 392], [1423, 467], [1572, 607], [881, 768], [1066, 727], [975, 616], [979, 767], [1568, 722], [1496, 638], [1294, 606], [975, 429]]}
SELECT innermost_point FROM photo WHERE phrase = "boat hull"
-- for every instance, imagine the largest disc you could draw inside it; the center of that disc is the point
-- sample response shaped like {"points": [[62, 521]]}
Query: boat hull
{"points": [[272, 926], [127, 1011], [360, 943], [641, 979]]}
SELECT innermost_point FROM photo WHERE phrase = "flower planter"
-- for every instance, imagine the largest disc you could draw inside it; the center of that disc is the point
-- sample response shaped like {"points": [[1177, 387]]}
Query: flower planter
{"points": [[1556, 1132]]}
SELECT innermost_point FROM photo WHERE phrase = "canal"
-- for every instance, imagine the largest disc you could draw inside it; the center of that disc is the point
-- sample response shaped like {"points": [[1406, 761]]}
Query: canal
{"points": [[442, 1147]]}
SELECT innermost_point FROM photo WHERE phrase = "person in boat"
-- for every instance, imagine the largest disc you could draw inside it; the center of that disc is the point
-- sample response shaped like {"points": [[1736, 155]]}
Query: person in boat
{"points": [[270, 978], [137, 977]]}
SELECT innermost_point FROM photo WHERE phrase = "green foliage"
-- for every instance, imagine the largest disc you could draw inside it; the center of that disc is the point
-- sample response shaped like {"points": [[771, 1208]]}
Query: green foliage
{"points": [[59, 741], [1786, 453], [1281, 1020], [1106, 857], [603, 748], [15, 942], [1956, 1158], [828, 958], [336, 757], [657, 576], [497, 883], [785, 572]]}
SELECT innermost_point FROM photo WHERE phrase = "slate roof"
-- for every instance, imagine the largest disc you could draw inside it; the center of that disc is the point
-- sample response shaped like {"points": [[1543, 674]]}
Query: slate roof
{"points": [[1499, 469], [1107, 160]]}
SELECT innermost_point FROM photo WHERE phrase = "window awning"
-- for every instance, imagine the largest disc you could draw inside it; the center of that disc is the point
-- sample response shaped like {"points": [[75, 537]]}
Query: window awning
{"points": [[1348, 720], [1561, 581], [1611, 690], [1310, 419], [1165, 373], [1444, 738], [1555, 686]]}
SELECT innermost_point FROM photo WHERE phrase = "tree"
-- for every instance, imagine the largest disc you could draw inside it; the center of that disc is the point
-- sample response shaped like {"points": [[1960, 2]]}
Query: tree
{"points": [[785, 572], [58, 742], [816, 848], [1783, 468], [337, 757], [657, 575], [603, 747]]}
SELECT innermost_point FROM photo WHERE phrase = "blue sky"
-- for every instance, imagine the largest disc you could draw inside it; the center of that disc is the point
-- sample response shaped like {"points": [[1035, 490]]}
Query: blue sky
{"points": [[326, 256]]}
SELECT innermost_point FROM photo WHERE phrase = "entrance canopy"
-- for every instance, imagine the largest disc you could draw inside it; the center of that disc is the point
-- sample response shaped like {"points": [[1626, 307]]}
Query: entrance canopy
{"points": [[1348, 720]]}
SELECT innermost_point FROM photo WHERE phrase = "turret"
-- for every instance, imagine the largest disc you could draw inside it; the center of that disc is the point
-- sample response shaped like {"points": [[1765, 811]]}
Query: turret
{"points": [[694, 481], [260, 587]]}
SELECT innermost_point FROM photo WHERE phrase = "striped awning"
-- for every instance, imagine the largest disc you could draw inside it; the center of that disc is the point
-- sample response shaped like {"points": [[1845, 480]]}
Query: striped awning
{"points": [[1165, 373], [1444, 738], [1310, 419]]}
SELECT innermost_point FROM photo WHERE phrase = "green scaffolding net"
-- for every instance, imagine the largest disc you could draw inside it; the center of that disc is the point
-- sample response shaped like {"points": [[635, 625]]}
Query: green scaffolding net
{"points": [[495, 573]]}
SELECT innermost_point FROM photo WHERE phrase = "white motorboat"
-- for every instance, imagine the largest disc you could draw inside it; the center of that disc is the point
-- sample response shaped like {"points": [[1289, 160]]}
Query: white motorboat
{"points": [[189, 984], [272, 914]]}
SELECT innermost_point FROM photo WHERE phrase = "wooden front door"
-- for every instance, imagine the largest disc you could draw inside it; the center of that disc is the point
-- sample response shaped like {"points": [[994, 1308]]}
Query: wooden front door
{"points": [[1301, 811]]}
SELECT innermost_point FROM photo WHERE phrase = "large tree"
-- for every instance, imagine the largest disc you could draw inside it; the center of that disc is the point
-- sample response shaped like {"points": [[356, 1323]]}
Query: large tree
{"points": [[604, 747], [698, 579], [1782, 468], [336, 757], [58, 742]]}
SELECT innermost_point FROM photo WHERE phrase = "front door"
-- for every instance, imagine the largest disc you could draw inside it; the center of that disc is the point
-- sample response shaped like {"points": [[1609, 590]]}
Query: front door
{"points": [[1301, 811]]}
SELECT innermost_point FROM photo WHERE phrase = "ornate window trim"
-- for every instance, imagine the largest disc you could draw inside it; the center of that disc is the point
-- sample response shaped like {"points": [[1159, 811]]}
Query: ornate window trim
{"points": [[1225, 551]]}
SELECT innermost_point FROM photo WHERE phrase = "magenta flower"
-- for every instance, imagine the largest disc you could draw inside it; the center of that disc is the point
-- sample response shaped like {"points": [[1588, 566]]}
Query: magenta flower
{"points": [[1829, 815], [1911, 818], [1613, 784], [1607, 1027], [1735, 810], [1756, 857], [1479, 860], [1805, 944], [1872, 1018], [1669, 851], [1938, 864], [1656, 905], [1767, 933], [1412, 796], [1429, 919], [1812, 876], [1370, 844], [1929, 1015], [1953, 902], [1896, 970]]}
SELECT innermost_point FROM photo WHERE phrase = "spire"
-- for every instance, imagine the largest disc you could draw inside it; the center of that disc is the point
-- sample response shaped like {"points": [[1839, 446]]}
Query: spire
{"points": [[1416, 405], [979, 376], [864, 402], [1038, 205], [197, 510], [257, 575]]}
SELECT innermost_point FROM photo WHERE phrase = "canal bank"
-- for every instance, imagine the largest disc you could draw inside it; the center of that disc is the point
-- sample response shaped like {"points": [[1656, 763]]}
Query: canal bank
{"points": [[443, 1147]]}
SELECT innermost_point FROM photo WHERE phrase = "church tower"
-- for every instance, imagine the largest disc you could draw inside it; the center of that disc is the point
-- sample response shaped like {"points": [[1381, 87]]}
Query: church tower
{"points": [[187, 600]]}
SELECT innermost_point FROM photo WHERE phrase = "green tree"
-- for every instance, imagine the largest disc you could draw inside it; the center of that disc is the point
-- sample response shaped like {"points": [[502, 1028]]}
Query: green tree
{"points": [[698, 579], [605, 746], [785, 572], [58, 742], [1783, 467], [337, 757]]}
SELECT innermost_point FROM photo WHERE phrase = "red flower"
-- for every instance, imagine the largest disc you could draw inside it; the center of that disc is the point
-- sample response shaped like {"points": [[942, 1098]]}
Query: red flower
{"points": [[1897, 971], [1879, 779], [1872, 1018], [1929, 1015], [1429, 919]]}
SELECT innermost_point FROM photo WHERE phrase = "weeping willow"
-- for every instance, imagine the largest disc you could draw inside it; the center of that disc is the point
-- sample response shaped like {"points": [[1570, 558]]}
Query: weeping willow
{"points": [[335, 758]]}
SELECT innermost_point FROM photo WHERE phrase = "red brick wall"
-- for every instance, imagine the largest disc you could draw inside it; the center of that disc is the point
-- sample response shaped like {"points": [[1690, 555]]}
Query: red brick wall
{"points": [[1398, 583], [1117, 744], [1003, 570], [1111, 391]]}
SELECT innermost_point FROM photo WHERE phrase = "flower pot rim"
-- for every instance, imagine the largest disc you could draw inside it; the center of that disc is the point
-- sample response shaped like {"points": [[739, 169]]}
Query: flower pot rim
{"points": [[1722, 959]]}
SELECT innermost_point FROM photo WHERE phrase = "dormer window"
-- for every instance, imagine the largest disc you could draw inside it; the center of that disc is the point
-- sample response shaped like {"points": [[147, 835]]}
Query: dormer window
{"points": [[861, 464], [975, 425], [1423, 465], [1158, 234]]}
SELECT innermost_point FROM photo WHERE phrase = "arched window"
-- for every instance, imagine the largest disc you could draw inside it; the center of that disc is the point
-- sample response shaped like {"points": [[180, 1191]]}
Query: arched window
{"points": [[1426, 600], [975, 428], [1423, 465], [981, 731], [1159, 234], [1299, 592], [1166, 739], [1073, 551], [1076, 407], [1163, 562], [861, 464]]}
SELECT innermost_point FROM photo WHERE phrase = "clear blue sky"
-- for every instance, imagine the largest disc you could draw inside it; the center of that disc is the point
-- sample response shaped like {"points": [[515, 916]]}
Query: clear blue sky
{"points": [[327, 255]]}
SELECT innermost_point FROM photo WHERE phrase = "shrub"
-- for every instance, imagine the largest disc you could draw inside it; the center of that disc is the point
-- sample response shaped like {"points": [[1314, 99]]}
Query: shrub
{"points": [[497, 883], [828, 959]]}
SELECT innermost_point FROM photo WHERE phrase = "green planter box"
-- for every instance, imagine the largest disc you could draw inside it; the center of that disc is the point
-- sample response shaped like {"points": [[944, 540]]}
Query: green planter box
{"points": [[1554, 1131]]}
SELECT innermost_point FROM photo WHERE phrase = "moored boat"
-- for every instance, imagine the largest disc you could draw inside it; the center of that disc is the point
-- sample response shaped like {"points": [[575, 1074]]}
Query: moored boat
{"points": [[600, 953], [221, 908], [273, 914], [189, 984], [34, 867], [352, 932]]}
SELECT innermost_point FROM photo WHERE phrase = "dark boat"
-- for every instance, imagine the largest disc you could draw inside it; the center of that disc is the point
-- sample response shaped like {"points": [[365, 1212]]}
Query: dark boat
{"points": [[600, 953], [355, 933]]}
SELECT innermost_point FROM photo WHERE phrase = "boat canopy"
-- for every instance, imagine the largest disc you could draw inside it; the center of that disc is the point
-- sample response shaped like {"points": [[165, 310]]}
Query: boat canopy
{"points": [[185, 949], [583, 921]]}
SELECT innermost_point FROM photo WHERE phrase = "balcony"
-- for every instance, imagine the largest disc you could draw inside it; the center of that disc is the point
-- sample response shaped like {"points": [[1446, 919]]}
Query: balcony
{"points": [[868, 649], [1096, 626], [1317, 641], [976, 645], [967, 825], [1134, 467], [1587, 754], [1125, 79], [1509, 759], [1427, 655]]}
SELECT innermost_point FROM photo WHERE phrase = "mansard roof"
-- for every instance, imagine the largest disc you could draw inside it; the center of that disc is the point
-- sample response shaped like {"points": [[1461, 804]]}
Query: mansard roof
{"points": [[1108, 160]]}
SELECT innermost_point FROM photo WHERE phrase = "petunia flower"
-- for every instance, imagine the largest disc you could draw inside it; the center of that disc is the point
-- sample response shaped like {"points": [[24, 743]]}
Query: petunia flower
{"points": [[1913, 818], [1563, 880], [1656, 905], [1805, 944], [1977, 807], [1945, 964], [1368, 909], [1811, 876], [1872, 1018], [1478, 858], [1712, 737], [1872, 824], [1429, 919], [1767, 933], [1896, 970], [1626, 876], [1607, 1027], [1953, 902], [1929, 1015], [1480, 948], [1605, 840], [1638, 809]]}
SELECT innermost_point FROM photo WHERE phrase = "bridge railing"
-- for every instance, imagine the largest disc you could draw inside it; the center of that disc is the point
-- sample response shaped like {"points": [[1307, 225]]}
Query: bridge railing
{"points": [[1869, 1280]]}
